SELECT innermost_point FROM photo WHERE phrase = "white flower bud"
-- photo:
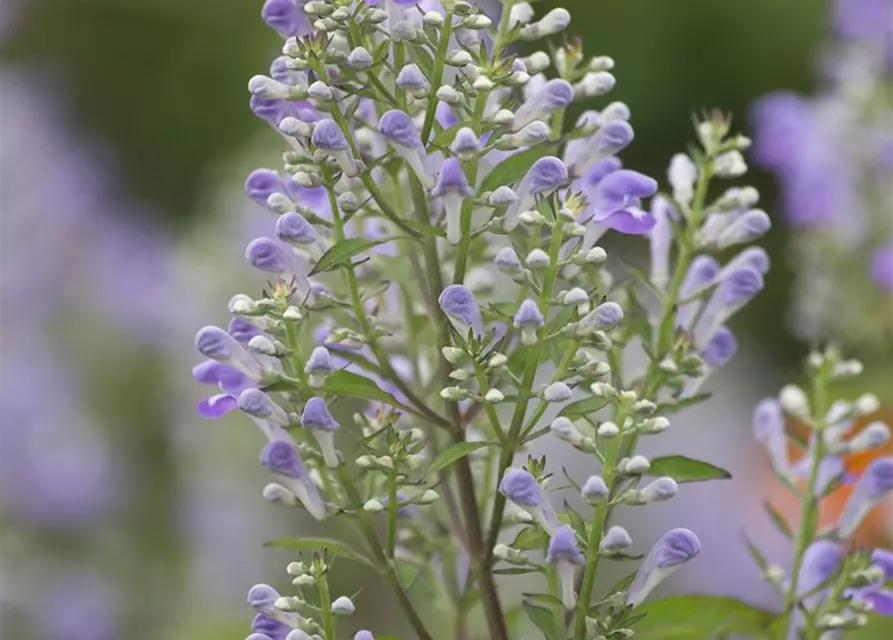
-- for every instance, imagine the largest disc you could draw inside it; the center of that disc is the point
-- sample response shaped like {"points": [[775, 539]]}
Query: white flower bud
{"points": [[537, 259], [449, 95], [565, 430], [359, 59], [364, 462], [553, 22], [277, 494], [320, 91], [373, 506], [635, 466], [655, 425], [520, 14], [557, 392], [460, 374], [872, 436], [497, 360], [453, 355], [265, 87], [501, 552], [376, 15], [847, 369], [290, 47], [867, 404], [608, 430], [537, 62], [794, 401], [668, 366], [594, 490], [240, 303], [594, 83], [304, 580], [262, 344], [318, 8], [454, 394], [503, 117], [295, 568], [482, 83], [645, 407], [459, 58], [601, 63], [433, 19], [477, 21], [416, 461], [494, 396], [385, 461], [287, 604], [343, 606], [521, 517], [596, 255], [730, 164], [428, 496], [682, 174]]}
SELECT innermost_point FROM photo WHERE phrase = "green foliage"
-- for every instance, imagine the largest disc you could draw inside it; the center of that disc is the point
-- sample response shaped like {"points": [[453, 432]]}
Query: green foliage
{"points": [[331, 546], [701, 617], [684, 469], [455, 453], [340, 254]]}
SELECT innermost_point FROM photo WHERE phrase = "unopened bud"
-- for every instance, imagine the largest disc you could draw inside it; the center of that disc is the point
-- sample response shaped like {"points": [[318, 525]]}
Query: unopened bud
{"points": [[494, 396]]}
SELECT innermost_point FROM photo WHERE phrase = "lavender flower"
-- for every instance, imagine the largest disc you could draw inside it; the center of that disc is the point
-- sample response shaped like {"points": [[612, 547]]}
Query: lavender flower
{"points": [[616, 541], [398, 129], [594, 489], [281, 458], [317, 418], [769, 430], [466, 144], [318, 366], [617, 200], [258, 404], [563, 553], [528, 320], [554, 95], [328, 136], [545, 175], [270, 627], [218, 345], [294, 229], [876, 482], [733, 292], [675, 548], [452, 188], [522, 489], [459, 305], [286, 17]]}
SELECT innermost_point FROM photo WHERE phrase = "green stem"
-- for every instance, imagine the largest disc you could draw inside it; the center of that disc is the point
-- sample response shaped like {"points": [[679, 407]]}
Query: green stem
{"points": [[468, 204], [596, 534], [325, 602], [379, 559], [513, 439], [809, 513], [392, 514], [443, 44], [467, 493]]}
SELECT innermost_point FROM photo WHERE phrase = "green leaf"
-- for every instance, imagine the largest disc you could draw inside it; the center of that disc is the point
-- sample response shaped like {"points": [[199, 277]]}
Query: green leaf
{"points": [[340, 253], [778, 520], [421, 57], [577, 523], [622, 585], [530, 538], [445, 137], [756, 554], [517, 571], [668, 408], [544, 619], [583, 407], [513, 169], [333, 547], [700, 617], [683, 469], [456, 452], [346, 383], [543, 598]]}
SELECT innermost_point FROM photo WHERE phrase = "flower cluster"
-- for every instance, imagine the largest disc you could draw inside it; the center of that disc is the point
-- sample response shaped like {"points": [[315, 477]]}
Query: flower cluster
{"points": [[833, 157], [829, 588], [435, 256]]}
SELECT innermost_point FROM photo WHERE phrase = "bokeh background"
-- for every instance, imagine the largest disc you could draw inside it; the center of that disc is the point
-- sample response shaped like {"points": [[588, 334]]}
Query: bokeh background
{"points": [[125, 136]]}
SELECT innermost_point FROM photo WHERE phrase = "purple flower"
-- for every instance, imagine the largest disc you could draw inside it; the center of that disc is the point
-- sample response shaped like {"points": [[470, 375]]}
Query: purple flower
{"points": [[285, 17], [273, 110], [612, 138], [362, 634], [661, 238], [864, 19], [317, 418], [528, 320], [721, 348], [400, 131], [522, 489], [554, 95], [465, 144], [258, 404], [566, 557], [676, 547], [270, 627], [461, 308], [318, 366], [616, 540], [617, 202], [605, 316], [261, 598], [228, 379], [270, 256], [545, 175], [262, 183], [216, 406], [242, 330], [754, 258], [452, 187], [882, 267], [294, 229], [749, 226], [876, 482], [282, 459], [413, 80], [768, 425], [328, 136], [218, 345], [733, 292]]}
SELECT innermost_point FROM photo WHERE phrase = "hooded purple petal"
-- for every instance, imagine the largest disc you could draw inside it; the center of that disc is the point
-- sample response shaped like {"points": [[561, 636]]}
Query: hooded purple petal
{"points": [[620, 190], [282, 458], [399, 128], [521, 488], [216, 406], [452, 179], [528, 315], [270, 256], [285, 17], [262, 183], [556, 94], [292, 227], [328, 136], [720, 349], [563, 547], [459, 305], [316, 416], [546, 174], [632, 221]]}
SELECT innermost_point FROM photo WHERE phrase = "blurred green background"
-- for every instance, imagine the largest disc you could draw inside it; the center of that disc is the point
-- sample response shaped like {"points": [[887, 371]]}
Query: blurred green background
{"points": [[161, 84]]}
